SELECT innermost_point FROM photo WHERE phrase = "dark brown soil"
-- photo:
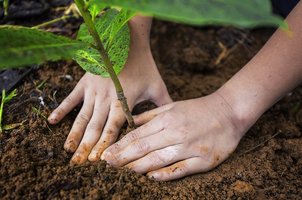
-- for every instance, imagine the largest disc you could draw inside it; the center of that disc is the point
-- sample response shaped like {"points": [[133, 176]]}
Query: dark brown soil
{"points": [[33, 164]]}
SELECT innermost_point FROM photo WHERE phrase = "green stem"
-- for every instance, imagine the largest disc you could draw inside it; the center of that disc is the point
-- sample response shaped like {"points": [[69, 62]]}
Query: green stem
{"points": [[1, 110], [5, 7], [52, 21], [108, 65]]}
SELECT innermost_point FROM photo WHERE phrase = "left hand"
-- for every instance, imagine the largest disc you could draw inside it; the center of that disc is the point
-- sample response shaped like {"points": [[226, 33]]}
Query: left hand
{"points": [[179, 139]]}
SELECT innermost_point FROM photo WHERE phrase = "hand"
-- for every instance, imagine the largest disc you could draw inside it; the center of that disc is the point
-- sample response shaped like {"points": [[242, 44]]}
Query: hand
{"points": [[179, 139], [97, 125]]}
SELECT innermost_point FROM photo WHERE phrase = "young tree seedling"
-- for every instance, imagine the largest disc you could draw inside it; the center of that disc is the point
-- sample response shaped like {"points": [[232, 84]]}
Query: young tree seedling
{"points": [[107, 62]]}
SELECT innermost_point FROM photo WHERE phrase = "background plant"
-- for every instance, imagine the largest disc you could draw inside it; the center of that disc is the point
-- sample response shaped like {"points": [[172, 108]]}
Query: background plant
{"points": [[102, 44], [5, 6], [5, 99]]}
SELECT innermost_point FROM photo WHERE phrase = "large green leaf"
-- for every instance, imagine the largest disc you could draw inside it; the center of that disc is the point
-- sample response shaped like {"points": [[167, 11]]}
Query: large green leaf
{"points": [[114, 33], [243, 13], [20, 46]]}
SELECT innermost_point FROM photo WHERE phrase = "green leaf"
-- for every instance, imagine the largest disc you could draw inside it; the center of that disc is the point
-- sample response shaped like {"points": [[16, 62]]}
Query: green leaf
{"points": [[5, 6], [95, 9], [10, 96], [114, 33], [247, 13], [12, 126], [22, 46]]}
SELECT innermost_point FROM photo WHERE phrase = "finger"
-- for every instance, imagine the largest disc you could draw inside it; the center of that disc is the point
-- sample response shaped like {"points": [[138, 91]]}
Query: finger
{"points": [[140, 148], [158, 159], [79, 125], [115, 121], [92, 132], [147, 129], [72, 100], [149, 115], [179, 170]]}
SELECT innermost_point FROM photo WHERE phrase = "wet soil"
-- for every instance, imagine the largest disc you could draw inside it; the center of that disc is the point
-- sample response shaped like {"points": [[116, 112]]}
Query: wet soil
{"points": [[193, 62]]}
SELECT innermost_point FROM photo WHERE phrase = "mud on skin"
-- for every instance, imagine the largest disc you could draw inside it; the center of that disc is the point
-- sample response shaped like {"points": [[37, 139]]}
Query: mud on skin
{"points": [[34, 164]]}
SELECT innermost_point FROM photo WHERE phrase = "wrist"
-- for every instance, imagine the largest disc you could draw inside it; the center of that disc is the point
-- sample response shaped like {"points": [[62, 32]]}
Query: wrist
{"points": [[226, 115], [140, 27], [246, 106]]}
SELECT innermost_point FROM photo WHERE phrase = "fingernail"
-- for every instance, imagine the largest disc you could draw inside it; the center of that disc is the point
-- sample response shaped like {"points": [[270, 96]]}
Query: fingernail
{"points": [[76, 158], [70, 146], [93, 156], [53, 117], [105, 155], [154, 175]]}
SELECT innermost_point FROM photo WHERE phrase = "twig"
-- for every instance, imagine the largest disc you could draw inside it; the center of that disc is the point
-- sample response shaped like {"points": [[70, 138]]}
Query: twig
{"points": [[224, 53], [255, 147], [52, 21]]}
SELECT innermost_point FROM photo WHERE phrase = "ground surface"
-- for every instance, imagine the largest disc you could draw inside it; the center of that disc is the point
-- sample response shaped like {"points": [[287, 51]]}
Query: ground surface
{"points": [[33, 164]]}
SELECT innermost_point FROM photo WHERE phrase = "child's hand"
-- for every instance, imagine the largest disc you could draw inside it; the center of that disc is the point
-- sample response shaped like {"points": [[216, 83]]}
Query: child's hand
{"points": [[97, 125], [179, 139]]}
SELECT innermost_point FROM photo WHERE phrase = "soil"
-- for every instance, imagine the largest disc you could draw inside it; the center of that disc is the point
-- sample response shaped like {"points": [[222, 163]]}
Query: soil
{"points": [[193, 62]]}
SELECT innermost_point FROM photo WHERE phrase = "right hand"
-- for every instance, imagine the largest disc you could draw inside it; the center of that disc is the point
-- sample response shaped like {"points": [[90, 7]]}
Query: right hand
{"points": [[98, 123]]}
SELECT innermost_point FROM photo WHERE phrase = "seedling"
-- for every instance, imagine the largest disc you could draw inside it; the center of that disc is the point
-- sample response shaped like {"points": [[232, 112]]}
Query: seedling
{"points": [[40, 114], [5, 99], [5, 7], [102, 43]]}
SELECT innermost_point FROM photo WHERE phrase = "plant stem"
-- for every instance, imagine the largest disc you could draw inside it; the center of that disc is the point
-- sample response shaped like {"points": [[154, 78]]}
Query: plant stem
{"points": [[5, 7], [1, 109], [53, 21], [108, 65]]}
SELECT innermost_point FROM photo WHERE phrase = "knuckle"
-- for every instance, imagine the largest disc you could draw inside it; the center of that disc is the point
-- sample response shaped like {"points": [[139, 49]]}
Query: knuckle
{"points": [[104, 95], [114, 148], [181, 169], [94, 126], [97, 110], [83, 118], [182, 133], [67, 100], [167, 137], [60, 110], [116, 104], [167, 118], [133, 135], [173, 137], [112, 158], [110, 131], [141, 146], [155, 157], [117, 124], [177, 170]]}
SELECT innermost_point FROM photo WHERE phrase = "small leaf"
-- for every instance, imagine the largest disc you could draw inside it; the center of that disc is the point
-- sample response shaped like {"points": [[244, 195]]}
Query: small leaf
{"points": [[95, 9], [13, 126], [114, 33], [10, 96], [247, 13], [22, 46]]}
